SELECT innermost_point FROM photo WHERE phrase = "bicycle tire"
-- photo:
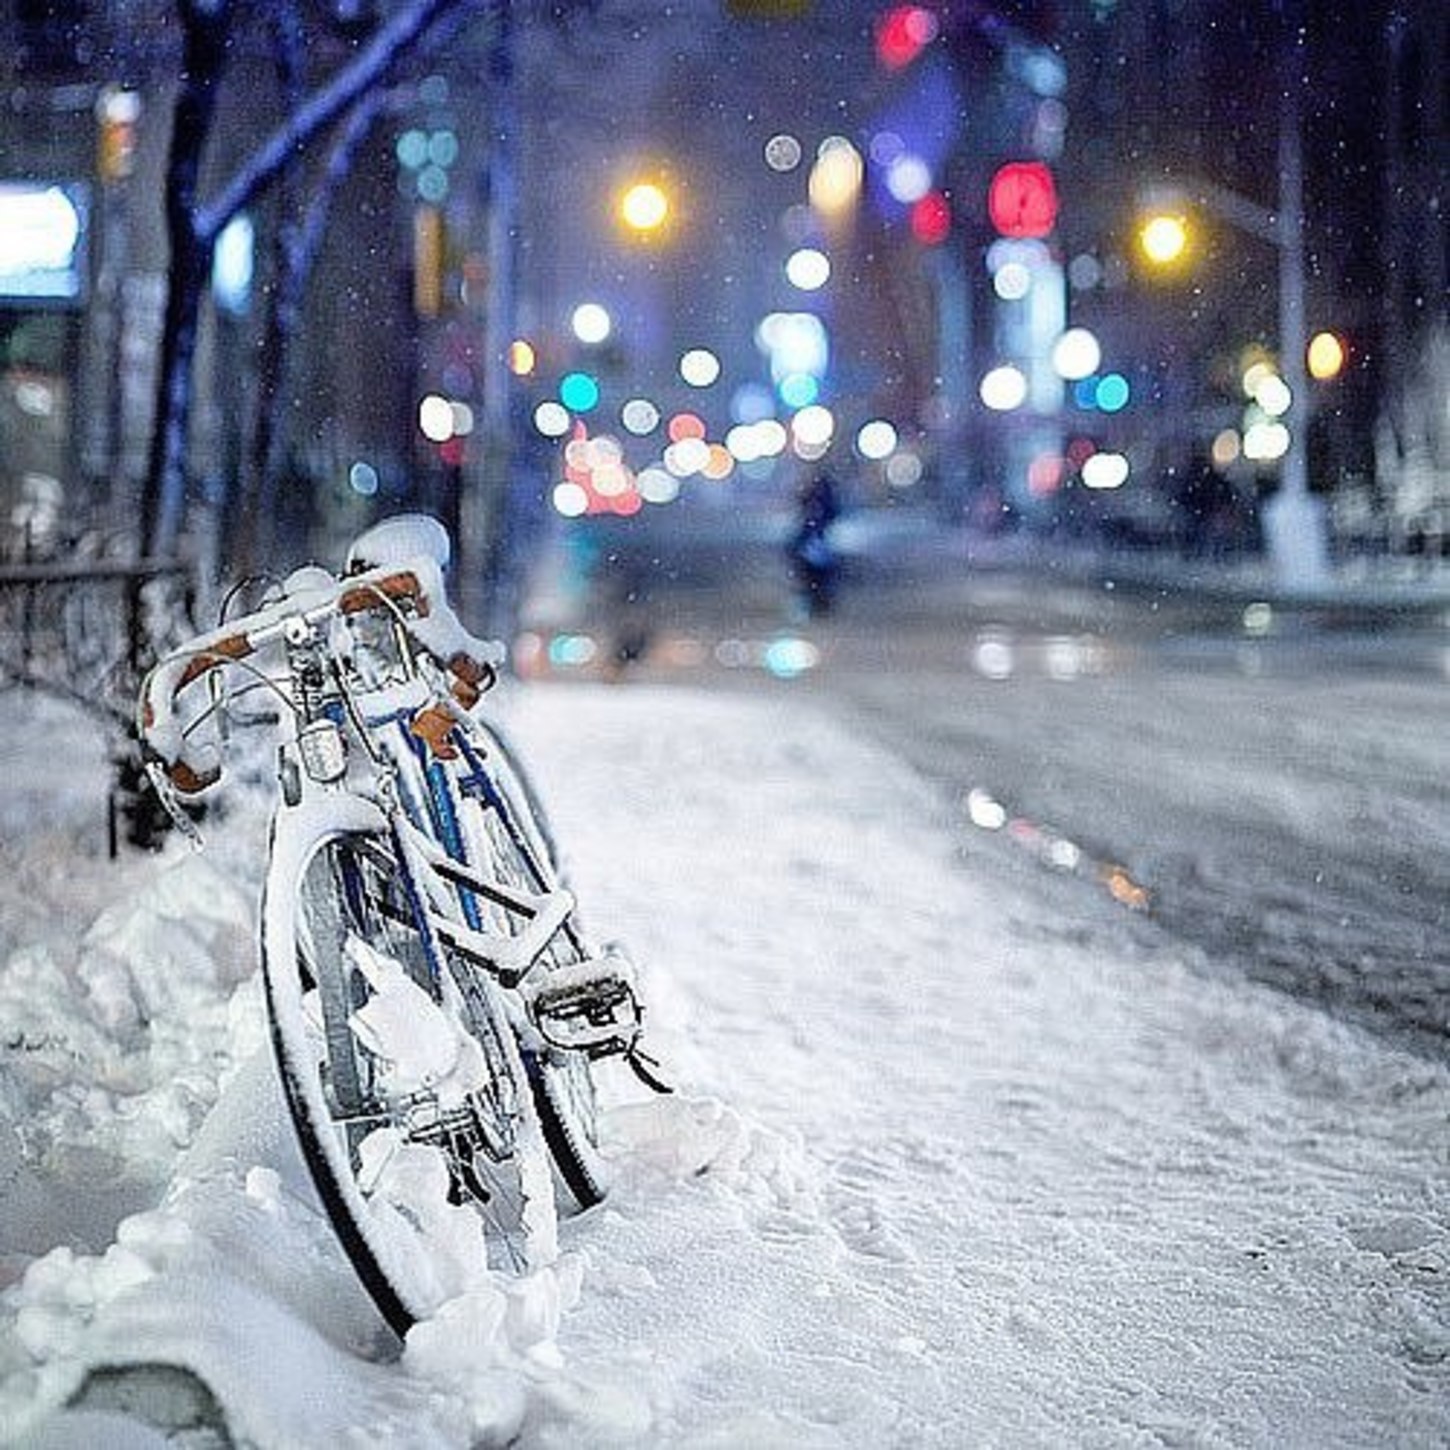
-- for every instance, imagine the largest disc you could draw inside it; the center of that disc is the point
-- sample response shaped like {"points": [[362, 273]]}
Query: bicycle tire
{"points": [[516, 834], [327, 900]]}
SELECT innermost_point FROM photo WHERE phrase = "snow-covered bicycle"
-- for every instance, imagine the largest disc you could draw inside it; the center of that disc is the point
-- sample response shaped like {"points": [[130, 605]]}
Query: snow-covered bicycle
{"points": [[437, 1010]]}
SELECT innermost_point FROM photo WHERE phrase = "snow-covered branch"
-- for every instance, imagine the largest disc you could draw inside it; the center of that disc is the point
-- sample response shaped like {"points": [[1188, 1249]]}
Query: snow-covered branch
{"points": [[382, 52]]}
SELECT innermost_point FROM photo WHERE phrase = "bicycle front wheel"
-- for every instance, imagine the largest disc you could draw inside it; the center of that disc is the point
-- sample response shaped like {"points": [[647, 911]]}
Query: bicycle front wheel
{"points": [[414, 1111], [512, 835]]}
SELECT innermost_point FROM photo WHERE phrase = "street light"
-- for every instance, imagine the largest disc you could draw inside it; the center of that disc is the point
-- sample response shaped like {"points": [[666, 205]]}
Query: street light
{"points": [[644, 208], [1163, 238]]}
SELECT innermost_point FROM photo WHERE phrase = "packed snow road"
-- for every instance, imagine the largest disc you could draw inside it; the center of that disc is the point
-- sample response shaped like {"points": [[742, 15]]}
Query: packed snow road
{"points": [[1281, 799], [1270, 785]]}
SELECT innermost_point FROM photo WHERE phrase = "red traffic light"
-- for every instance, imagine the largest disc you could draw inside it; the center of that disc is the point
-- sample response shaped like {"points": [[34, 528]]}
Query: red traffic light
{"points": [[1022, 199], [902, 33]]}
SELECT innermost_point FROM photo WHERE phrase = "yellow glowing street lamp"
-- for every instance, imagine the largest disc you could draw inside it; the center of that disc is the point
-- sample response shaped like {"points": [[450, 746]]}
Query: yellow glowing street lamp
{"points": [[1163, 238], [644, 207]]}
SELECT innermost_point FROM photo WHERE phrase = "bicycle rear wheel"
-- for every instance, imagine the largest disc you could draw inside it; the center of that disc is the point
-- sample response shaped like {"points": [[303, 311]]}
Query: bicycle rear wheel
{"points": [[413, 1108]]}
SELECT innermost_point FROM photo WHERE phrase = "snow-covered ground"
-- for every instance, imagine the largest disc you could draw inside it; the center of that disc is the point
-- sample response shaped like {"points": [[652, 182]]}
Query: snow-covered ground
{"points": [[940, 1173]]}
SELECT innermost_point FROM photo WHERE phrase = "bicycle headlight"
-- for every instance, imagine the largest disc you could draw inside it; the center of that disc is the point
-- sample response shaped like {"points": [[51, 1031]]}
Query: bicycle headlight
{"points": [[324, 754]]}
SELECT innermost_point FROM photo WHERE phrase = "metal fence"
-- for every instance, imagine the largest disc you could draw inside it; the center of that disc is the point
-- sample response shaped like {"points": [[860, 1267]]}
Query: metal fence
{"points": [[75, 622]]}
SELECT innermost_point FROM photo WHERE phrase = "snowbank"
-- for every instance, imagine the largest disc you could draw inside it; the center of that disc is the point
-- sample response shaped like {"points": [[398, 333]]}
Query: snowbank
{"points": [[949, 1167]]}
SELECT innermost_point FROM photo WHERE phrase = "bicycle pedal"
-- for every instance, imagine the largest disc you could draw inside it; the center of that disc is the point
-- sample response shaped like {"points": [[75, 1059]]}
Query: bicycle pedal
{"points": [[589, 1007]]}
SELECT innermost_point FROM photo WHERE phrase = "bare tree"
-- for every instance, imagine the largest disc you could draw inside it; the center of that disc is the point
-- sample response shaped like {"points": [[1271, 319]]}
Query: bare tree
{"points": [[194, 223]]}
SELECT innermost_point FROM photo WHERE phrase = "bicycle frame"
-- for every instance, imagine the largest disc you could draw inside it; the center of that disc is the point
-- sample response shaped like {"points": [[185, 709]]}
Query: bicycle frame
{"points": [[427, 979]]}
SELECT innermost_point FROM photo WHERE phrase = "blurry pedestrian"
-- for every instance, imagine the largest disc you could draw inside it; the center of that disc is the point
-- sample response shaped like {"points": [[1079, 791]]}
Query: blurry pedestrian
{"points": [[814, 561]]}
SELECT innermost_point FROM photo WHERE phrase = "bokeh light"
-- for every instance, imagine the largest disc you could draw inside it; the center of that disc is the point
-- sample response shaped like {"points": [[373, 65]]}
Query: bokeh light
{"points": [[1163, 238], [591, 322], [908, 178], [644, 207], [699, 367], [1272, 394], [835, 180], [579, 392], [902, 33], [783, 152], [808, 269], [435, 418], [1326, 356], [640, 416], [876, 440], [1105, 471], [522, 359], [685, 426], [1076, 354], [1003, 388], [1022, 199], [1112, 393], [931, 219]]}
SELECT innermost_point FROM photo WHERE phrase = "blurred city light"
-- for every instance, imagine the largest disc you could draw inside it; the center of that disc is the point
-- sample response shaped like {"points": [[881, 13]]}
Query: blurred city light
{"points": [[904, 469], [795, 343], [699, 367], [1112, 393], [644, 207], [522, 359], [1257, 367], [902, 33], [118, 112], [551, 419], [640, 416], [719, 464], [1022, 199], [931, 219], [1163, 238], [835, 181], [1105, 471], [808, 269], [782, 152], [435, 418], [1076, 354], [765, 438], [908, 178], [812, 429], [591, 322], [579, 392], [685, 426], [362, 478], [570, 500], [41, 231], [1012, 281], [752, 402], [687, 456], [1325, 357], [1266, 441], [876, 440], [1004, 388], [1226, 448], [232, 265], [798, 390], [1273, 396]]}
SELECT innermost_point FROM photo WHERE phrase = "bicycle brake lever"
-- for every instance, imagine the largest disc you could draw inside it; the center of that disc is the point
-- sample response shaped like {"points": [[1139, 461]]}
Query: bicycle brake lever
{"points": [[166, 794]]}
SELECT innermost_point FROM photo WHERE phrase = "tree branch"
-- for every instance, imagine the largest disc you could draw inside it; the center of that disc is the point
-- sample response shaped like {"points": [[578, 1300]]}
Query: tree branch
{"points": [[392, 41]]}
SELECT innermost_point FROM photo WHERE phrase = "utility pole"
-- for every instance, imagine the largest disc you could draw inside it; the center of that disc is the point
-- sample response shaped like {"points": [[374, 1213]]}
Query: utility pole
{"points": [[1294, 519]]}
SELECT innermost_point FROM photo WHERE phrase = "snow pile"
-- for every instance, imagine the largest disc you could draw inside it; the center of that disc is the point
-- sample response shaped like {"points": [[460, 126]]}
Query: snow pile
{"points": [[950, 1166]]}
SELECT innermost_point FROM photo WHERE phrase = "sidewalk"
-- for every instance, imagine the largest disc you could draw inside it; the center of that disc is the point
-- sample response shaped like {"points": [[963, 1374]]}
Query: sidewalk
{"points": [[911, 543]]}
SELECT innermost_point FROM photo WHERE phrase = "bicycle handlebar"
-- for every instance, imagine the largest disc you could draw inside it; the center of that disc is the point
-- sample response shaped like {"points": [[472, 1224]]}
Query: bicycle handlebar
{"points": [[416, 586]]}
